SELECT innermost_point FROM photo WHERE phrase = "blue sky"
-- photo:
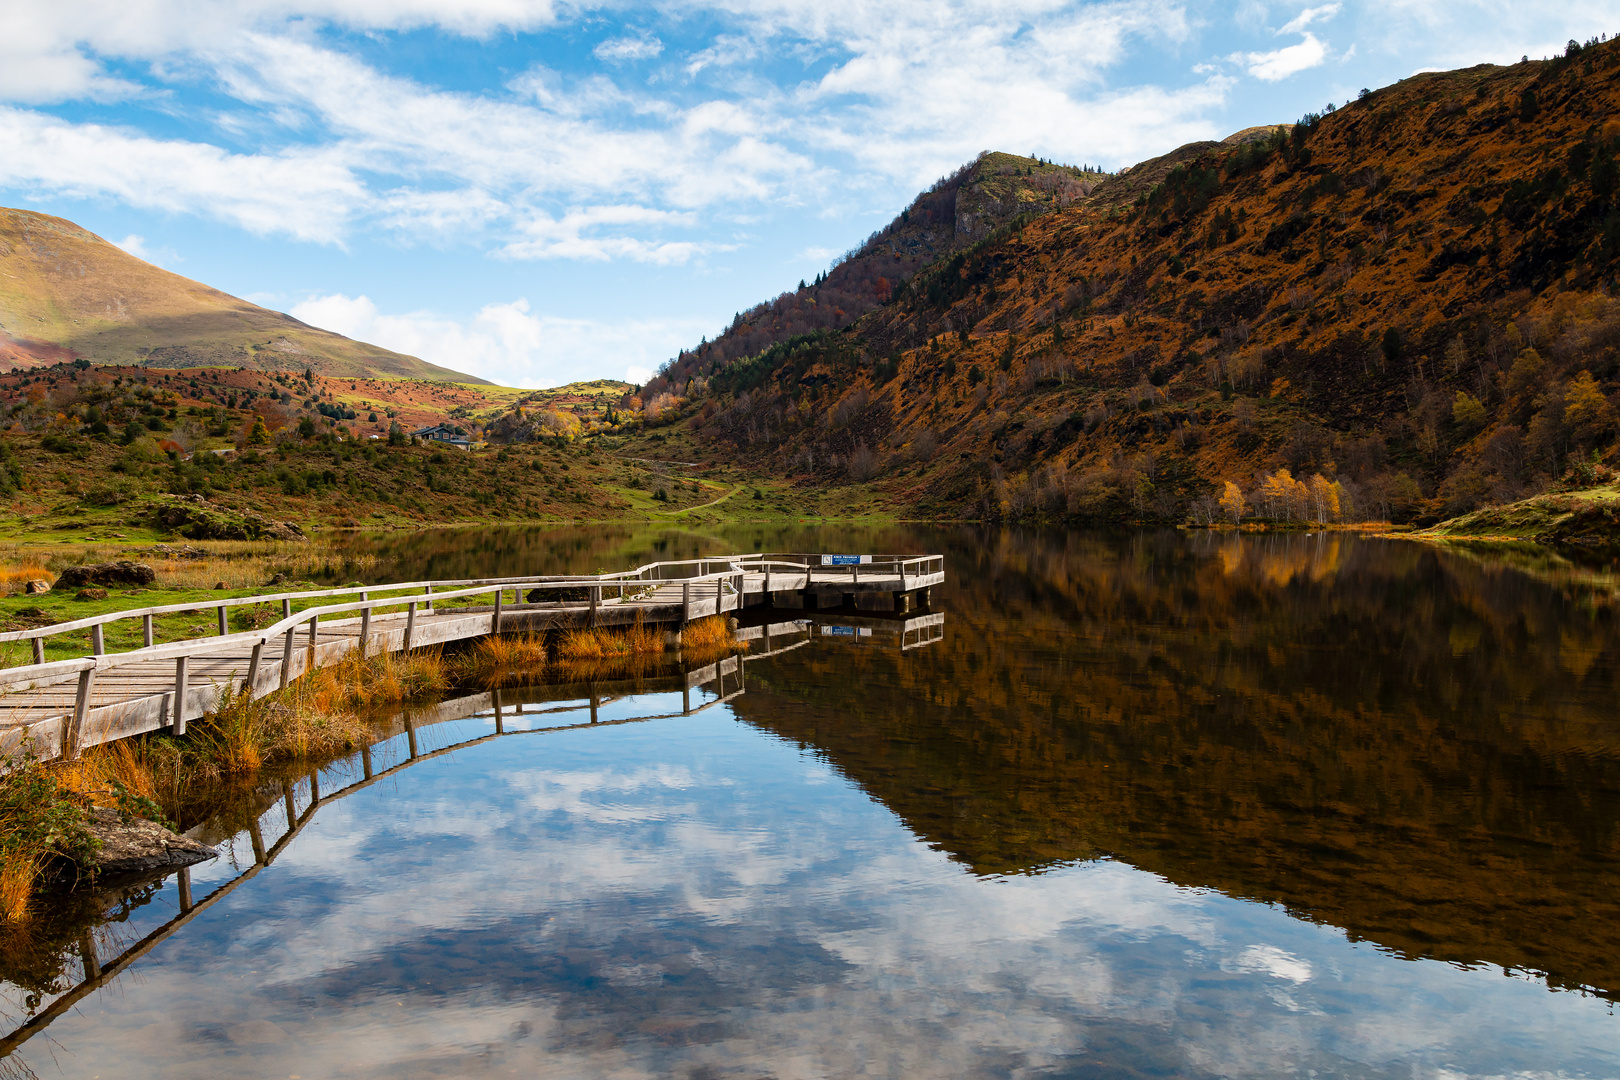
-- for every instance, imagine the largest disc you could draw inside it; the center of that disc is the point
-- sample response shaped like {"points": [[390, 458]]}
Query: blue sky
{"points": [[537, 192]]}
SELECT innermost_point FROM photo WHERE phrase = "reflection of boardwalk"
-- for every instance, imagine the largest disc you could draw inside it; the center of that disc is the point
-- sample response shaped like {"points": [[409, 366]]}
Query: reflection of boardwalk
{"points": [[529, 711], [66, 705]]}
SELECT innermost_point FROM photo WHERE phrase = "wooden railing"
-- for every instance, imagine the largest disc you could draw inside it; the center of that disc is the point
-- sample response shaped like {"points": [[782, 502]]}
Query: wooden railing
{"points": [[725, 574]]}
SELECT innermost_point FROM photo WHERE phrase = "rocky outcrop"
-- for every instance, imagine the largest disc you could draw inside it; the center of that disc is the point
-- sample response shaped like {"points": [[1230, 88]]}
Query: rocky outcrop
{"points": [[123, 572], [138, 846], [191, 516]]}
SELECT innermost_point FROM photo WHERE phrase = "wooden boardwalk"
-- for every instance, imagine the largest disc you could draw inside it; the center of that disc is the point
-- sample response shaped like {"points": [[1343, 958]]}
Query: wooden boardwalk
{"points": [[64, 706]]}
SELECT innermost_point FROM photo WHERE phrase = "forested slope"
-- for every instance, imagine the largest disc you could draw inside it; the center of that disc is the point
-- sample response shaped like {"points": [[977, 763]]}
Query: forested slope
{"points": [[1409, 296]]}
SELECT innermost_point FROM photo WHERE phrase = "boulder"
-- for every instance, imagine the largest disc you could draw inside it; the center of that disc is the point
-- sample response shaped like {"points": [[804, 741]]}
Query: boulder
{"points": [[123, 572], [138, 845], [37, 586]]}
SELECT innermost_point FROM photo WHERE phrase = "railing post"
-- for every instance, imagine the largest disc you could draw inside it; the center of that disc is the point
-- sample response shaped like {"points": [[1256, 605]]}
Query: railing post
{"points": [[410, 625], [287, 801], [500, 722], [286, 658], [179, 712], [224, 621], [253, 666], [365, 759], [596, 595], [256, 838], [495, 620], [182, 882], [365, 628], [146, 630], [74, 735], [686, 603], [286, 608], [314, 633], [39, 650], [430, 599], [410, 735], [98, 644]]}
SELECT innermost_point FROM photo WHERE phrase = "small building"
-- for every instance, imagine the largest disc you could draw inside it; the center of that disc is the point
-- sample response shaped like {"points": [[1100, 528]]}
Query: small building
{"points": [[443, 433]]}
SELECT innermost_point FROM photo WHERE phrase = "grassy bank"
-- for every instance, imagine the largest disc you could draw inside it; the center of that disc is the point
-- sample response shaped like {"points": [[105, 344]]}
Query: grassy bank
{"points": [[1576, 515]]}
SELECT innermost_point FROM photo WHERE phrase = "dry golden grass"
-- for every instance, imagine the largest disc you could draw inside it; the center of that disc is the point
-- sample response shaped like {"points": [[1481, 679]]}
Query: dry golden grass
{"points": [[503, 660], [708, 638], [17, 877], [603, 644], [386, 679], [240, 564]]}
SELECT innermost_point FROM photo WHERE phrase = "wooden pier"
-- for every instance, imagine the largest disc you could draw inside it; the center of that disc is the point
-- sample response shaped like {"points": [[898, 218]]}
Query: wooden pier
{"points": [[63, 706]]}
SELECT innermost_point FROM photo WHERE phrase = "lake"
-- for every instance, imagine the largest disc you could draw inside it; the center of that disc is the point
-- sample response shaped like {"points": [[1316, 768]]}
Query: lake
{"points": [[1162, 804]]}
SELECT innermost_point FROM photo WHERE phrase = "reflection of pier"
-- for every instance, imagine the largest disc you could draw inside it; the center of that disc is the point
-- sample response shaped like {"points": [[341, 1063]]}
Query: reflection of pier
{"points": [[63, 706], [533, 710]]}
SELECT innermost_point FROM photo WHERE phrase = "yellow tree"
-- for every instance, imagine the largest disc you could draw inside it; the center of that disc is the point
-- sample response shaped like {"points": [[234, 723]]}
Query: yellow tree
{"points": [[1278, 491], [1324, 498], [1232, 501], [1586, 409]]}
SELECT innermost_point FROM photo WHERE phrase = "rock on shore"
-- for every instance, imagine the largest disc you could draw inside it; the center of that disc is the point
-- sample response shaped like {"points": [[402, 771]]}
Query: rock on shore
{"points": [[139, 845]]}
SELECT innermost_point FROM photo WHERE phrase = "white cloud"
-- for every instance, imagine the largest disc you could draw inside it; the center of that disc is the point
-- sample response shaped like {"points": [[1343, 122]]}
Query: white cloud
{"points": [[1309, 16], [1281, 63], [507, 342], [136, 245], [625, 50], [637, 375]]}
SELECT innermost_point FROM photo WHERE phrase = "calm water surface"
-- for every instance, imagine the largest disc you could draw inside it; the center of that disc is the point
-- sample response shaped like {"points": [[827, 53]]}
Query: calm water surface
{"points": [[1155, 805]]}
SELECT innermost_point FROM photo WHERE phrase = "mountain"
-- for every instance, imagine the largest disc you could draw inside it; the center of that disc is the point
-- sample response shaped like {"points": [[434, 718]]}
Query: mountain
{"points": [[1409, 296], [958, 210], [65, 293]]}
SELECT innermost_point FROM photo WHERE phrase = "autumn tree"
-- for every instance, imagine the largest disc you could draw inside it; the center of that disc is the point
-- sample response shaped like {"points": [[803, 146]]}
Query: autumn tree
{"points": [[1232, 502], [1586, 410], [1324, 498]]}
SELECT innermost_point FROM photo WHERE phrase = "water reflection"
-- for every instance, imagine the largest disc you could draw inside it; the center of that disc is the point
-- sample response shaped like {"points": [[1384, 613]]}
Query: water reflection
{"points": [[1152, 805]]}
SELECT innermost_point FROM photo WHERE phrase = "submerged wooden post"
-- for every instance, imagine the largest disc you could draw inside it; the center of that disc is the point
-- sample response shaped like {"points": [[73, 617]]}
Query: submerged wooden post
{"points": [[257, 839], [287, 801], [410, 735], [179, 715], [365, 760], [98, 643], [410, 625], [87, 955], [182, 882], [314, 788], [495, 696], [596, 703], [146, 630]]}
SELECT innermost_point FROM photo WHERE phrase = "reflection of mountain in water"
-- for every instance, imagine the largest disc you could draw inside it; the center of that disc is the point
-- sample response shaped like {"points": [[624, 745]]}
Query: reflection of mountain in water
{"points": [[1417, 748]]}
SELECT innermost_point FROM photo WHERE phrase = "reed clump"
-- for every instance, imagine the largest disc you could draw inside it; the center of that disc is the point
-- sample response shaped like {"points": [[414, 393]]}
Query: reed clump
{"points": [[503, 660], [388, 679], [600, 643], [710, 638]]}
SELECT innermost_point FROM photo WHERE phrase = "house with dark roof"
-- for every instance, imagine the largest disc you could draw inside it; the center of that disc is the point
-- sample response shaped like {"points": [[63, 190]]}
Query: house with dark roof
{"points": [[443, 433]]}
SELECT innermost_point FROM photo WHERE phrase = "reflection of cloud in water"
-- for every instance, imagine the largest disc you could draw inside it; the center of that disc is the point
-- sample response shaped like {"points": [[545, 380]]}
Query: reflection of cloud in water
{"points": [[693, 899]]}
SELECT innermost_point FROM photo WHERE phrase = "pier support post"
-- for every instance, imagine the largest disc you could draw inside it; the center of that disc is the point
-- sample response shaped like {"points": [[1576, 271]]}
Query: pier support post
{"points": [[365, 630], [495, 620], [410, 625], [686, 603], [596, 596], [180, 688]]}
